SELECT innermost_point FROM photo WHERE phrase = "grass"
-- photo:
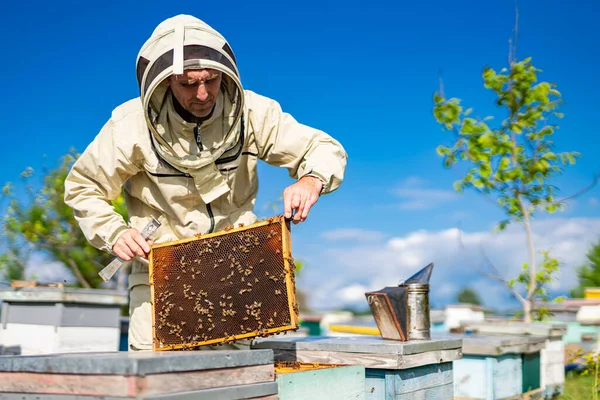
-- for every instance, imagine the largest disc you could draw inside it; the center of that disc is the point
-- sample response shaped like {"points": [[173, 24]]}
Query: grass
{"points": [[578, 387]]}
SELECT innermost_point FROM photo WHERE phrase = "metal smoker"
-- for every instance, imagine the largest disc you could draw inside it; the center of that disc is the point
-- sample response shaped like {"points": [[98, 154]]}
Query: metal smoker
{"points": [[402, 312]]}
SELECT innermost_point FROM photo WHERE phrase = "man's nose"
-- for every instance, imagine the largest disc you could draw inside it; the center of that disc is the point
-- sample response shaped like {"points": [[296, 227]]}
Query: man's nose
{"points": [[202, 93]]}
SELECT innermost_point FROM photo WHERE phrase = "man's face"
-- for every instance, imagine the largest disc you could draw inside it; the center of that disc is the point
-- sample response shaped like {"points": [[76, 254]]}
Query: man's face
{"points": [[196, 90]]}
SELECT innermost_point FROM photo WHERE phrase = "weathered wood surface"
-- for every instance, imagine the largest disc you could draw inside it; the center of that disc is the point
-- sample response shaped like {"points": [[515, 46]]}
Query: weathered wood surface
{"points": [[9, 350], [258, 391], [553, 368], [131, 386], [376, 360], [359, 344], [135, 363], [487, 377], [426, 382], [495, 345], [372, 352], [340, 382], [64, 295], [517, 328]]}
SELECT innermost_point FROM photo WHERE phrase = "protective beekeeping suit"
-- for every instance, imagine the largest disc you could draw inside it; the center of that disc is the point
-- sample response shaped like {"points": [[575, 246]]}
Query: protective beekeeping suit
{"points": [[193, 166]]}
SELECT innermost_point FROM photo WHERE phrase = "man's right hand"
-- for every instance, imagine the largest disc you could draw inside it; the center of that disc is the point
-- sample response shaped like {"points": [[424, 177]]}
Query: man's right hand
{"points": [[131, 244]]}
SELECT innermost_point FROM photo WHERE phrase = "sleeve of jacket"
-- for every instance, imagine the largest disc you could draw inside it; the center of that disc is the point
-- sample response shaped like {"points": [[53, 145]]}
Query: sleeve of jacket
{"points": [[97, 178], [284, 142]]}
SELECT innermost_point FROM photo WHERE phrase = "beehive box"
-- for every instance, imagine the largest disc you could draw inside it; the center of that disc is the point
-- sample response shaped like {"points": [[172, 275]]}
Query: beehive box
{"points": [[45, 320], [218, 288], [498, 367], [198, 375], [551, 368], [421, 369], [300, 381]]}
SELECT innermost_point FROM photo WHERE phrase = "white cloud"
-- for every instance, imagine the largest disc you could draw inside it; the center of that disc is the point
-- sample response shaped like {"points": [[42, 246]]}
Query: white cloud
{"points": [[353, 293], [360, 235], [40, 269], [416, 196], [345, 272]]}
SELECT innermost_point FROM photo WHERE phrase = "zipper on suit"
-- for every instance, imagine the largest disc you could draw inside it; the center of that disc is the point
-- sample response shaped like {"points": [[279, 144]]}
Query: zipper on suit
{"points": [[208, 206], [197, 135]]}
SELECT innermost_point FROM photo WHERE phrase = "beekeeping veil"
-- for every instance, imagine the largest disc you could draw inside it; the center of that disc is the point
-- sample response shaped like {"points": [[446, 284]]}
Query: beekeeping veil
{"points": [[184, 42]]}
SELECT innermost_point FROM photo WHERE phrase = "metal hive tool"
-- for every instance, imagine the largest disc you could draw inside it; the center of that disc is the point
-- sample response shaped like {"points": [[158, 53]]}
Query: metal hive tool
{"points": [[221, 287]]}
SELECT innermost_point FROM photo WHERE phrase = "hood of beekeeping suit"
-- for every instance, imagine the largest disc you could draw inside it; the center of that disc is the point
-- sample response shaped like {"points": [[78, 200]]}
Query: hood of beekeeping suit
{"points": [[179, 43]]}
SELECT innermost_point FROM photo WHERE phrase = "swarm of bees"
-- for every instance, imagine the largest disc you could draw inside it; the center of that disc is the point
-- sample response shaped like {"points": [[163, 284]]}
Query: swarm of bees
{"points": [[214, 289]]}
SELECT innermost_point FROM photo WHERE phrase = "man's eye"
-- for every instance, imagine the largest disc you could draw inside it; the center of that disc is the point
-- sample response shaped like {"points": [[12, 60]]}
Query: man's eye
{"points": [[187, 85]]}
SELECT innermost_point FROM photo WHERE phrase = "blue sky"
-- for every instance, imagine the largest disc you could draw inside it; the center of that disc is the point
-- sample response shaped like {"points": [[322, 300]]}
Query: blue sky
{"points": [[363, 72]]}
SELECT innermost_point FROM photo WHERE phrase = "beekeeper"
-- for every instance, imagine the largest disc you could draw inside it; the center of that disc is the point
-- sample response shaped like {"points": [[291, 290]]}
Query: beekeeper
{"points": [[186, 150]]}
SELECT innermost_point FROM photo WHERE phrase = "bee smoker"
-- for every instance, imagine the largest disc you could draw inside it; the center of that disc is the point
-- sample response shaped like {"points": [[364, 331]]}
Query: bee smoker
{"points": [[402, 312]]}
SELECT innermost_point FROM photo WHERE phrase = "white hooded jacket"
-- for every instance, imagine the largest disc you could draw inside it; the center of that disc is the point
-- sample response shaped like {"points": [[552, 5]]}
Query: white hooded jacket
{"points": [[150, 151]]}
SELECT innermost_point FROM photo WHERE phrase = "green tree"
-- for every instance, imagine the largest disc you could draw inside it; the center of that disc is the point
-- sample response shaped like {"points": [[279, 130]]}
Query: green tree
{"points": [[468, 296], [513, 163], [42, 223], [589, 273]]}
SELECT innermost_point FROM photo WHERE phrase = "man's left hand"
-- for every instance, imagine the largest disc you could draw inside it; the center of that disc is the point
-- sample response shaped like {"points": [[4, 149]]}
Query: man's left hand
{"points": [[300, 197]]}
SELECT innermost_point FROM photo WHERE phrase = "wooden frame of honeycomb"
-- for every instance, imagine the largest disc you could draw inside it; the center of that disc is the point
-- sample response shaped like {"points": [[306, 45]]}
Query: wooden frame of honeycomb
{"points": [[238, 283]]}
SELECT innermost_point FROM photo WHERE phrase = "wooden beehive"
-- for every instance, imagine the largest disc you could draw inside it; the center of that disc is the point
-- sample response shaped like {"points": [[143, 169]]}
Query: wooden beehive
{"points": [[218, 288]]}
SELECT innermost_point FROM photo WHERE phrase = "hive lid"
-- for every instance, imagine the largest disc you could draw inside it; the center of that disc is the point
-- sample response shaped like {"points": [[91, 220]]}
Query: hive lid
{"points": [[134, 363]]}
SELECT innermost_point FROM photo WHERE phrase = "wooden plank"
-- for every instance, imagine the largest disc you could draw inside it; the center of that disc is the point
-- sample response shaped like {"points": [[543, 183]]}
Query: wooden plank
{"points": [[380, 361], [64, 295], [507, 376], [15, 283], [346, 382], [553, 364], [444, 392], [532, 395], [224, 231], [128, 386], [135, 363], [360, 344], [470, 377], [258, 391], [487, 377], [420, 379], [518, 328], [495, 345], [432, 357], [375, 384], [531, 372]]}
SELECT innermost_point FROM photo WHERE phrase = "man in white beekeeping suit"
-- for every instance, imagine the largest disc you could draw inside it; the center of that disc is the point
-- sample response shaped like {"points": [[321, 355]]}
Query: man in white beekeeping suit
{"points": [[186, 151]]}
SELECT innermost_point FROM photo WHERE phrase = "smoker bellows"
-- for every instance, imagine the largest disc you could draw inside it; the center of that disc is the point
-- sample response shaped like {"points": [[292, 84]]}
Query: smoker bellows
{"points": [[218, 288]]}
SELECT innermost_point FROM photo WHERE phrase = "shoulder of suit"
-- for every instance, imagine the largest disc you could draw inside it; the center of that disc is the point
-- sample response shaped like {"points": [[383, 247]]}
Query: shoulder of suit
{"points": [[130, 110], [255, 100]]}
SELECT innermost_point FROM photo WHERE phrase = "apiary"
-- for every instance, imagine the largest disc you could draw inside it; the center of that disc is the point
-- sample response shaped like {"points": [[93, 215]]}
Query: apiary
{"points": [[222, 287]]}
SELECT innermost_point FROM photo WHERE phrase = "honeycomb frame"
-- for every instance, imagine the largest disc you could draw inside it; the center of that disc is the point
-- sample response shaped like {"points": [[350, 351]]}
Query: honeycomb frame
{"points": [[160, 273]]}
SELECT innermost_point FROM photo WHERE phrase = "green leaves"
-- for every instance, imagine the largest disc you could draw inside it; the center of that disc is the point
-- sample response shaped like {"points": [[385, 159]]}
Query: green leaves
{"points": [[514, 162], [45, 224], [517, 159]]}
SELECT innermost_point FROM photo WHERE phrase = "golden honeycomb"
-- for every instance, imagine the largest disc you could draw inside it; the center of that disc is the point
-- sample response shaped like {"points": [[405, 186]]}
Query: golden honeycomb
{"points": [[221, 287]]}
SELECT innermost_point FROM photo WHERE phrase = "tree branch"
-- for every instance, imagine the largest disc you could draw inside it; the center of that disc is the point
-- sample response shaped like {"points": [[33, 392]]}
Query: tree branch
{"points": [[78, 274], [495, 275], [581, 192]]}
